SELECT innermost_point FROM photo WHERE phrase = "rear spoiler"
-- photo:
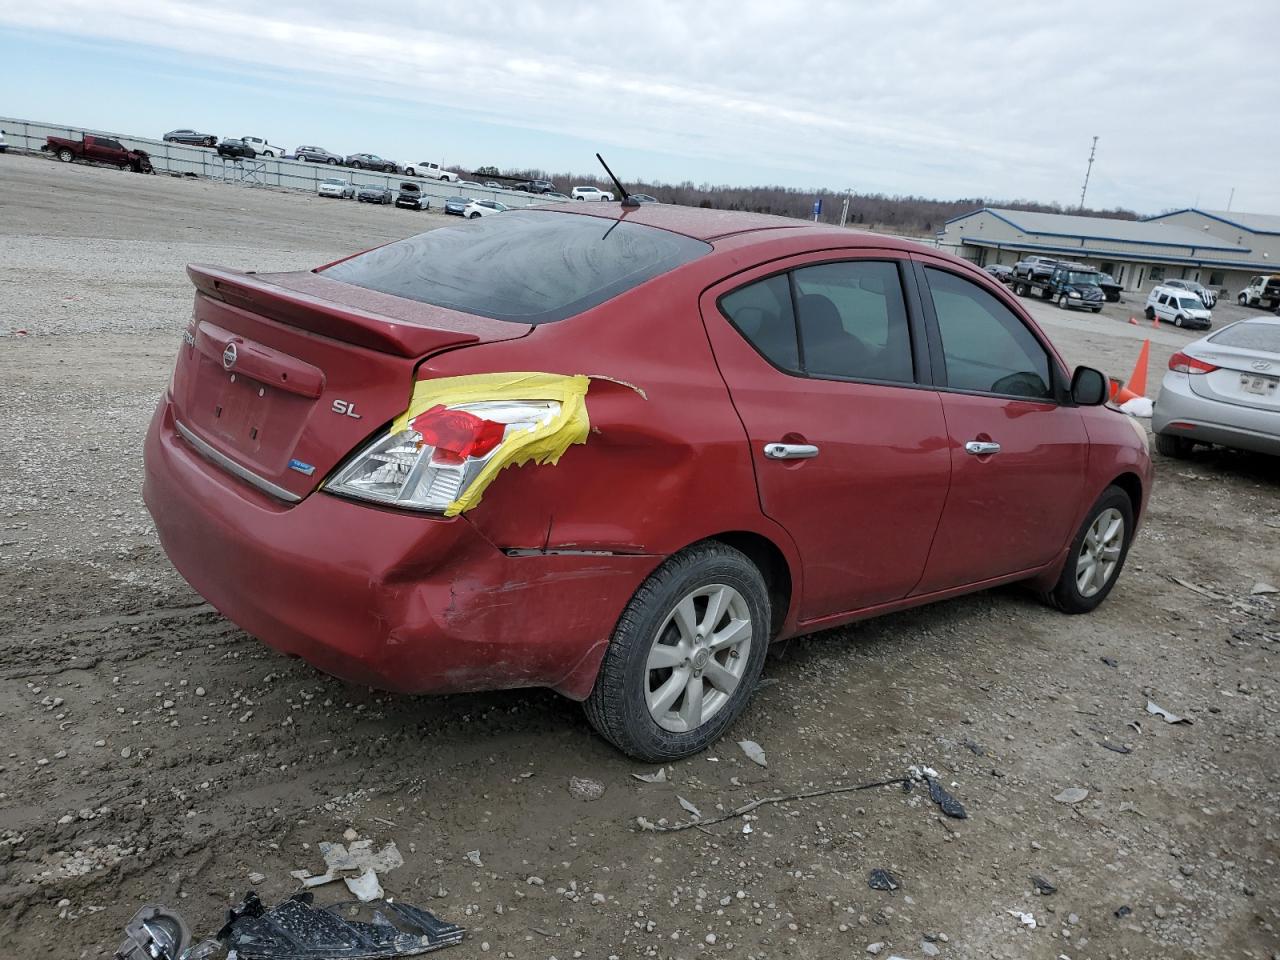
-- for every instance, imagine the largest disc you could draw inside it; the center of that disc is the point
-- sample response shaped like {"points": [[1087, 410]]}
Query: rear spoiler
{"points": [[324, 317]]}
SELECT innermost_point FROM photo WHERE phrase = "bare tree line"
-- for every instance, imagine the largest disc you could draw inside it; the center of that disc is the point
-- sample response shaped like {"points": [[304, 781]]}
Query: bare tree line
{"points": [[912, 215]]}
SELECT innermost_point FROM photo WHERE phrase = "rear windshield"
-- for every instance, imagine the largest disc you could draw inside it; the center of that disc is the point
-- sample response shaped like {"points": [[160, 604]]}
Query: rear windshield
{"points": [[1250, 335], [527, 267]]}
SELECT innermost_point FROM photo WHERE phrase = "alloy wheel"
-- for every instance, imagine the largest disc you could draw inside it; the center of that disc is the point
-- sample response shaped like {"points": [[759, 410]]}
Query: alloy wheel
{"points": [[698, 657], [1100, 552]]}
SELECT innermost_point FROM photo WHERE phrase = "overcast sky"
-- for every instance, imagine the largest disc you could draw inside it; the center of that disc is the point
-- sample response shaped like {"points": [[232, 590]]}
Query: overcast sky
{"points": [[940, 99]]}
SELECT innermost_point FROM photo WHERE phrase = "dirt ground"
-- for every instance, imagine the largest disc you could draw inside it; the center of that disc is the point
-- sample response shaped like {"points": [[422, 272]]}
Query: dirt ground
{"points": [[155, 753]]}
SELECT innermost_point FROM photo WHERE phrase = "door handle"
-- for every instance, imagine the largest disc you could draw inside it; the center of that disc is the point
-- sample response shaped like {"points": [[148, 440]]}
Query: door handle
{"points": [[981, 448], [790, 451]]}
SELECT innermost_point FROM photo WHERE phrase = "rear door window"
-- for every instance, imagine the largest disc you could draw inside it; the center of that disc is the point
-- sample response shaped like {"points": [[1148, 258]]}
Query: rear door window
{"points": [[762, 313], [526, 267], [853, 321], [985, 347]]}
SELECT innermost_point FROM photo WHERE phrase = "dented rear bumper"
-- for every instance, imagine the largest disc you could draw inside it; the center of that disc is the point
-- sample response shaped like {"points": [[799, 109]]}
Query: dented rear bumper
{"points": [[388, 598]]}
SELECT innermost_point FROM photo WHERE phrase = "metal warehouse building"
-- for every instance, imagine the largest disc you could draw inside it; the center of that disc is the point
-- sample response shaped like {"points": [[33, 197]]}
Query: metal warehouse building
{"points": [[1221, 250]]}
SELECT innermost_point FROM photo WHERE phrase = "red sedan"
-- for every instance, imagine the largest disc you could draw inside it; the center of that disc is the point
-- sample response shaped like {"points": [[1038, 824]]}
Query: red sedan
{"points": [[617, 451]]}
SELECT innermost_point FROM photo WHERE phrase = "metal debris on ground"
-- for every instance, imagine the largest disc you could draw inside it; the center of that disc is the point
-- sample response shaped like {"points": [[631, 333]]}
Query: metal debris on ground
{"points": [[1110, 661], [1043, 886], [644, 823], [881, 879], [1196, 588], [473, 857], [1114, 747], [1122, 912], [1072, 795], [586, 789], [1158, 711], [658, 776], [976, 749], [295, 930], [154, 933], [754, 752]]}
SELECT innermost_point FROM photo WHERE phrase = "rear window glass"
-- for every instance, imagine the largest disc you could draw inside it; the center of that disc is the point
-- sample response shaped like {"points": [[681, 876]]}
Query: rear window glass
{"points": [[1250, 335], [523, 266]]}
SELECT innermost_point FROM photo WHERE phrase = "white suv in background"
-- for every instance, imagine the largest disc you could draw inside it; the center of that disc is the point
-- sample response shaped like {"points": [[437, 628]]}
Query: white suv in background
{"points": [[432, 171], [483, 208], [264, 149], [591, 193], [1180, 307]]}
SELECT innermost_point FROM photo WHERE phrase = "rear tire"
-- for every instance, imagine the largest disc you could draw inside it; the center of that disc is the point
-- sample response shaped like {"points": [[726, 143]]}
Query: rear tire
{"points": [[332, 162], [666, 636], [1097, 555], [65, 155], [1179, 448], [210, 141]]}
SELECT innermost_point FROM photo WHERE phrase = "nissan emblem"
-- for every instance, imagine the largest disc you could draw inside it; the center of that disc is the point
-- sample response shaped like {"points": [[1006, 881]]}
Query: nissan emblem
{"points": [[229, 356]]}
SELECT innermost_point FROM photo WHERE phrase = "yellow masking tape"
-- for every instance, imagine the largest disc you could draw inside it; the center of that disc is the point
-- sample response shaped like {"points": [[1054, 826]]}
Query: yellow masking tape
{"points": [[545, 443]]}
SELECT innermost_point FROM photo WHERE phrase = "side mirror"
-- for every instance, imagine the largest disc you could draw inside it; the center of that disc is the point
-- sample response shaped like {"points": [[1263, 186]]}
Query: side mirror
{"points": [[1088, 387]]}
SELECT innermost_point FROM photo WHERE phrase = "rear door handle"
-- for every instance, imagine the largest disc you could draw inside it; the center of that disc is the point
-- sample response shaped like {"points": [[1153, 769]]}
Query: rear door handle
{"points": [[980, 448], [790, 451]]}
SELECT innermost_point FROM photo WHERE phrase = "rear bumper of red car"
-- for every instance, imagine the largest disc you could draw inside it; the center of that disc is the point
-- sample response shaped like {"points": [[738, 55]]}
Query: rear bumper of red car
{"points": [[396, 600]]}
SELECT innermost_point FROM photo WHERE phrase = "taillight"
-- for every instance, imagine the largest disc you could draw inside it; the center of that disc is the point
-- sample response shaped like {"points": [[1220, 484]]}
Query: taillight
{"points": [[441, 453], [1184, 363]]}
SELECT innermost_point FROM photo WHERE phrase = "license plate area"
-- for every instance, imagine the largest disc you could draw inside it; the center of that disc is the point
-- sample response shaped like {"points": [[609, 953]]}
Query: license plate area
{"points": [[251, 421], [1259, 386]]}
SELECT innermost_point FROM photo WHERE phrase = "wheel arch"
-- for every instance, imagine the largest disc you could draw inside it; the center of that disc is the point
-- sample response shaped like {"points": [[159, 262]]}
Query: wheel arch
{"points": [[1131, 484], [773, 566]]}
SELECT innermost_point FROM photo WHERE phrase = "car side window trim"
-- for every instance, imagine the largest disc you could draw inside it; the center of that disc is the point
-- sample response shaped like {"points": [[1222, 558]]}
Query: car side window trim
{"points": [[1057, 376], [916, 334]]}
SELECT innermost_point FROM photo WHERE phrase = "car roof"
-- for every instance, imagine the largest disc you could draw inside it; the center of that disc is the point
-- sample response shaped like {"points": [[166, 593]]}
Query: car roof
{"points": [[703, 223]]}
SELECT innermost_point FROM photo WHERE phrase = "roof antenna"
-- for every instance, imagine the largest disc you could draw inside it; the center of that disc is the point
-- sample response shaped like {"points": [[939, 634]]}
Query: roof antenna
{"points": [[626, 197]]}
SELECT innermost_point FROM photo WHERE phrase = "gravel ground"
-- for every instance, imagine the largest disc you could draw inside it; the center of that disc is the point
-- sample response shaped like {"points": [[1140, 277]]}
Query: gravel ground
{"points": [[155, 753]]}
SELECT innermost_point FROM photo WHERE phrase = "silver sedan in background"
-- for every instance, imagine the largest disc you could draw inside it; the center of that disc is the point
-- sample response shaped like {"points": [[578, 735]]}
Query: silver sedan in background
{"points": [[1223, 389]]}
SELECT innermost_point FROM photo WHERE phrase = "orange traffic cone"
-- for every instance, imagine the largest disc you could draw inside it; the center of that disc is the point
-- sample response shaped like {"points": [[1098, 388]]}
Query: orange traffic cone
{"points": [[1138, 380], [1134, 321], [1155, 322]]}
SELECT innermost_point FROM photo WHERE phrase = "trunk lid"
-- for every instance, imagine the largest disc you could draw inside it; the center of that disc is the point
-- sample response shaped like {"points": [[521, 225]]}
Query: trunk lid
{"points": [[1249, 365], [281, 376]]}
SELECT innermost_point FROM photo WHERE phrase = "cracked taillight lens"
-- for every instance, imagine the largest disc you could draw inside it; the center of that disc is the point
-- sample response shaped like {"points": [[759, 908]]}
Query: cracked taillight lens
{"points": [[432, 462]]}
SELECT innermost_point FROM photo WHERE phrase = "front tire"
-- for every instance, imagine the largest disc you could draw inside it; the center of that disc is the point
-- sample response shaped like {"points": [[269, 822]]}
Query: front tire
{"points": [[1242, 300], [1149, 313], [1177, 320], [408, 172], [1062, 302], [210, 141], [685, 655], [332, 162], [472, 216], [1097, 554]]}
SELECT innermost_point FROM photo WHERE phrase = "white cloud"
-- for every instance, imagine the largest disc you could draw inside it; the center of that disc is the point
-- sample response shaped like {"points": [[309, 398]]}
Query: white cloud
{"points": [[922, 97]]}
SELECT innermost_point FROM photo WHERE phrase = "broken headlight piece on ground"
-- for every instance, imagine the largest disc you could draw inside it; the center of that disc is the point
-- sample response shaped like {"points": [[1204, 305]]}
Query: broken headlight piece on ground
{"points": [[294, 930]]}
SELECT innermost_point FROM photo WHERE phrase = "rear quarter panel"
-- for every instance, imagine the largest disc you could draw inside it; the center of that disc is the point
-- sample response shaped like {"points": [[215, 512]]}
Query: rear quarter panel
{"points": [[666, 462]]}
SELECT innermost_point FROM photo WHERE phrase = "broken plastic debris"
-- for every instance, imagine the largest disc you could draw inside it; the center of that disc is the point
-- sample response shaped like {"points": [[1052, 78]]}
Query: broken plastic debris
{"points": [[754, 752], [697, 814], [658, 776], [154, 933], [975, 748], [1072, 795], [1110, 661], [881, 879], [1114, 747], [360, 856], [294, 930], [1158, 711], [474, 857], [1026, 919], [945, 801], [365, 887], [1043, 886], [1261, 588]]}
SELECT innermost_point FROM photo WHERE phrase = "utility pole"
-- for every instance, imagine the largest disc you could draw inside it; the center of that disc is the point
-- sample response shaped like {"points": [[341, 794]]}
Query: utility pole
{"points": [[1088, 170], [1230, 199], [844, 211]]}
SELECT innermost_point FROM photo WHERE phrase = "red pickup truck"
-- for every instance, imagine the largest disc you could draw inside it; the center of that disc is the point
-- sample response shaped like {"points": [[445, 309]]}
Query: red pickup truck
{"points": [[99, 150]]}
